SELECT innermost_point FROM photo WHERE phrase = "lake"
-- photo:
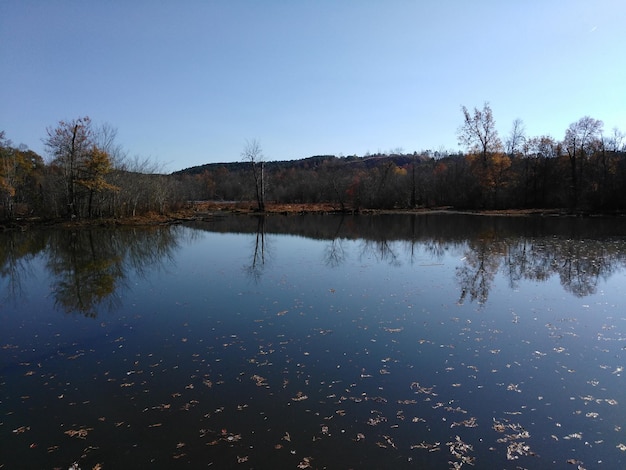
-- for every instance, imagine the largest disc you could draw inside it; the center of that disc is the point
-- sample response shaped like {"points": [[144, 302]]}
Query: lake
{"points": [[316, 341]]}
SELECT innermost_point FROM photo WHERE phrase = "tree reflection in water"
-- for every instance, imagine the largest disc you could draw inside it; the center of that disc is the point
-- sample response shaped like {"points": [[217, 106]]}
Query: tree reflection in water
{"points": [[578, 263], [255, 268], [88, 267], [480, 265], [17, 250], [579, 251]]}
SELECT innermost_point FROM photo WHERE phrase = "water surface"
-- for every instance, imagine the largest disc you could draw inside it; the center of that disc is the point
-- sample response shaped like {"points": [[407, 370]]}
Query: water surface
{"points": [[432, 341]]}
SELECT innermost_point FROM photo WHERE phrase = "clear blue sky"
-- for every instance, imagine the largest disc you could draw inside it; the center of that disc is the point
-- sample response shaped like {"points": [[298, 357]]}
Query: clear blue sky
{"points": [[187, 82]]}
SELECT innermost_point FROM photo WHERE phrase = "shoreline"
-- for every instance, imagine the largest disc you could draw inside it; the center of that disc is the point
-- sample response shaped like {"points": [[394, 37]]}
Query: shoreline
{"points": [[202, 210]]}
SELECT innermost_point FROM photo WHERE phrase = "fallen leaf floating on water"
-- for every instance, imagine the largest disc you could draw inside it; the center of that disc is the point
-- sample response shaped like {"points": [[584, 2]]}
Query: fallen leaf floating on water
{"points": [[468, 423], [229, 437], [305, 463], [392, 330], [516, 449], [458, 409], [300, 396], [80, 433], [162, 407], [419, 389], [260, 381], [430, 447], [460, 450], [377, 419]]}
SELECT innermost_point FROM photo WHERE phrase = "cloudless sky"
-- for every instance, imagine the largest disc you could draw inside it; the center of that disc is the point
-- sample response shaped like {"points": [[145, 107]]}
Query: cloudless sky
{"points": [[188, 82]]}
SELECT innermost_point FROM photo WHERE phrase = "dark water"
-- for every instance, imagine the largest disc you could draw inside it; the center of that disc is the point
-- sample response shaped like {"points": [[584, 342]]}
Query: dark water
{"points": [[316, 342]]}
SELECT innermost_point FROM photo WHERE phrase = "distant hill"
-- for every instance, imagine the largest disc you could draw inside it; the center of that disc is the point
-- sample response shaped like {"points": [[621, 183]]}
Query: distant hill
{"points": [[368, 161]]}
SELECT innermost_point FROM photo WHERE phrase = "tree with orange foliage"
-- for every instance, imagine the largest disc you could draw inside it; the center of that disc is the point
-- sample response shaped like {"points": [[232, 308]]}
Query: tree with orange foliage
{"points": [[72, 145], [17, 165], [92, 175]]}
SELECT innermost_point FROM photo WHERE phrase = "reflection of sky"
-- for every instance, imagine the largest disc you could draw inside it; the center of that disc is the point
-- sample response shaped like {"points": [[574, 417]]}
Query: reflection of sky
{"points": [[356, 336]]}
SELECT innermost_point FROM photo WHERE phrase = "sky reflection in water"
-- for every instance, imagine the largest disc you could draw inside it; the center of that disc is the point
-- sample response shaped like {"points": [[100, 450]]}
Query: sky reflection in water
{"points": [[316, 342]]}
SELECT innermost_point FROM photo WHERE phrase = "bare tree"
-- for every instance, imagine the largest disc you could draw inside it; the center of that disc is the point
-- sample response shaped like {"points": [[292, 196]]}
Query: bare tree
{"points": [[143, 186], [478, 132], [516, 139], [615, 142], [106, 140], [253, 154]]}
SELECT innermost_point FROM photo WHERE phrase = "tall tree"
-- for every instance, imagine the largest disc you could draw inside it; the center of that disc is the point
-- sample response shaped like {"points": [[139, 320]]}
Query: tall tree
{"points": [[73, 147], [580, 136], [93, 175], [516, 138], [8, 172], [542, 151], [19, 172], [69, 144], [615, 142], [478, 132], [253, 154]]}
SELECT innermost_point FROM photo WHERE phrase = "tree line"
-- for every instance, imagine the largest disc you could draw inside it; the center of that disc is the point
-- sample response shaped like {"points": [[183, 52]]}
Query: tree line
{"points": [[87, 174], [585, 171]]}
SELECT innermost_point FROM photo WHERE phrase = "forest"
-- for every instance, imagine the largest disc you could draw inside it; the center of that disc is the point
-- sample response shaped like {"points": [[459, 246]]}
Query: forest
{"points": [[86, 174]]}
